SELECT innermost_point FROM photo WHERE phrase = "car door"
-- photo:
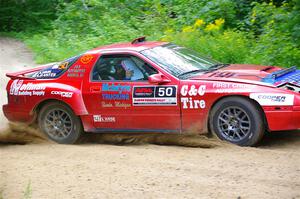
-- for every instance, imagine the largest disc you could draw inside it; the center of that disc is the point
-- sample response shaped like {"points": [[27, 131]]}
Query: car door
{"points": [[119, 96]]}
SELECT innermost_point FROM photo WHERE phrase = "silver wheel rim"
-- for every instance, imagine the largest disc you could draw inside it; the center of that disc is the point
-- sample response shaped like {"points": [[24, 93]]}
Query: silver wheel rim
{"points": [[234, 123], [58, 124]]}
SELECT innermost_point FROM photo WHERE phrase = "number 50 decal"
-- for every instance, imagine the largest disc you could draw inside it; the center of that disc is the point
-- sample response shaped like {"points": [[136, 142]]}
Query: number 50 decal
{"points": [[165, 91], [154, 95]]}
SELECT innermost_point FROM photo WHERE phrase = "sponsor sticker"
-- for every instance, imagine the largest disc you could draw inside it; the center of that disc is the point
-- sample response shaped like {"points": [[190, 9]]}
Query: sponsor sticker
{"points": [[54, 71], [223, 87], [44, 74], [76, 71], [29, 89], [273, 99], [85, 59], [118, 104], [115, 88], [62, 93], [187, 94], [111, 91], [99, 118], [154, 95]]}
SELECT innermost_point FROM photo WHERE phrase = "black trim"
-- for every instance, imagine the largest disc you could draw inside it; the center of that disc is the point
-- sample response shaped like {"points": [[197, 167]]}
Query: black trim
{"points": [[110, 130]]}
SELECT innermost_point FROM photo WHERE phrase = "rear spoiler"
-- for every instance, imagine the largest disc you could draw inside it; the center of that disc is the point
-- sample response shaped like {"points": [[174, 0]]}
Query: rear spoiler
{"points": [[21, 74]]}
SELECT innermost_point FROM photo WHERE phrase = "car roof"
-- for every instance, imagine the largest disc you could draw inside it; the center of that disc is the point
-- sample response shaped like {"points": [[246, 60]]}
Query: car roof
{"points": [[129, 46]]}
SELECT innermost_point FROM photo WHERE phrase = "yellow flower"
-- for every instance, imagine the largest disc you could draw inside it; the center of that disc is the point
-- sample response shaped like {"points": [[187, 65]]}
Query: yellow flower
{"points": [[169, 31], [187, 29], [211, 27], [215, 26], [219, 22], [199, 22]]}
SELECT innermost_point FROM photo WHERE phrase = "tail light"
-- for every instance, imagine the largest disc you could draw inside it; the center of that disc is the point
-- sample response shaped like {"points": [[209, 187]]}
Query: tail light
{"points": [[7, 97]]}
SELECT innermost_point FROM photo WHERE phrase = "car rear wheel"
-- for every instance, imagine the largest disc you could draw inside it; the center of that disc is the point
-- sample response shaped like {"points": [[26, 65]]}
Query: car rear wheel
{"points": [[58, 122], [237, 120]]}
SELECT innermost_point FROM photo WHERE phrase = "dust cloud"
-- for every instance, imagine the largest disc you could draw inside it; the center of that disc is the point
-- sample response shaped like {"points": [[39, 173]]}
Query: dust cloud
{"points": [[18, 133], [186, 140]]}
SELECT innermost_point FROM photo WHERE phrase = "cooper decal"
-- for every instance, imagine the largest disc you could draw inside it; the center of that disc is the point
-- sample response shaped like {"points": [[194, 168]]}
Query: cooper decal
{"points": [[18, 88], [154, 95], [62, 93], [273, 99]]}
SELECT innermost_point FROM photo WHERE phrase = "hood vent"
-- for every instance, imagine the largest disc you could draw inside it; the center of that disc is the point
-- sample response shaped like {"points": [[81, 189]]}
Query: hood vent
{"points": [[267, 68]]}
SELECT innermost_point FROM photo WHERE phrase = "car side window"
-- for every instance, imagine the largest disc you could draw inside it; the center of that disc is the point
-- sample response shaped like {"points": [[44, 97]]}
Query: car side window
{"points": [[121, 67], [54, 70]]}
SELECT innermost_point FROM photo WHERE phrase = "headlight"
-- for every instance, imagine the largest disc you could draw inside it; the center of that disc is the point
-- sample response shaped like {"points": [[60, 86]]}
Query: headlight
{"points": [[291, 87]]}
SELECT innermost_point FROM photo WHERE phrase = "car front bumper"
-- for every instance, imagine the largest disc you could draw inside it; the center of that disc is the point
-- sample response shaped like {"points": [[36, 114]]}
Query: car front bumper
{"points": [[283, 119]]}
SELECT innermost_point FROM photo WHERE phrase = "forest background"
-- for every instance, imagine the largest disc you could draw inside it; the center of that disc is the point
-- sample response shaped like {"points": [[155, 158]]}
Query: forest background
{"points": [[259, 32]]}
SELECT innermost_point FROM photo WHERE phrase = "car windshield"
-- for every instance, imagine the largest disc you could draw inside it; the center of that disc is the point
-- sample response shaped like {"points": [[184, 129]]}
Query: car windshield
{"points": [[179, 61]]}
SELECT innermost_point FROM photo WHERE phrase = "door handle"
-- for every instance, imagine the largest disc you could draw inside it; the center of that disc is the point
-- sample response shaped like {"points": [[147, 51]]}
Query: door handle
{"points": [[95, 89]]}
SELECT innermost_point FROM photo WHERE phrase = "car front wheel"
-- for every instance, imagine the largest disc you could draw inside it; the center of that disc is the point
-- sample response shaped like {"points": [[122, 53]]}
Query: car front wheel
{"points": [[237, 120], [58, 122]]}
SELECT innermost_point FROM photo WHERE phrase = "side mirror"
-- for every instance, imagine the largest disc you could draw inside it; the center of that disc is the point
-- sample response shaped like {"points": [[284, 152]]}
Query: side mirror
{"points": [[158, 79]]}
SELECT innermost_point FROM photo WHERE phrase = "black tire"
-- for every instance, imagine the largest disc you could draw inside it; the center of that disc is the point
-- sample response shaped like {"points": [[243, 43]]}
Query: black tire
{"points": [[237, 120], [58, 122]]}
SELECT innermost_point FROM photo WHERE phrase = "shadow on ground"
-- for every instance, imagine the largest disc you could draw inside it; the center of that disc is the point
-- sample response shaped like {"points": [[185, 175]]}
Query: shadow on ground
{"points": [[23, 134], [281, 138], [189, 140]]}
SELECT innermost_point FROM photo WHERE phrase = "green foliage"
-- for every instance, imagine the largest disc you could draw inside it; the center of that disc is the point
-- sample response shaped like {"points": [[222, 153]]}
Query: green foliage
{"points": [[18, 15], [228, 46], [260, 32]]}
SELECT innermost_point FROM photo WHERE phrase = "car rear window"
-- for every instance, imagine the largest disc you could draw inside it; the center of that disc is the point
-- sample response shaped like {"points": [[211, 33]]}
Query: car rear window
{"points": [[54, 70]]}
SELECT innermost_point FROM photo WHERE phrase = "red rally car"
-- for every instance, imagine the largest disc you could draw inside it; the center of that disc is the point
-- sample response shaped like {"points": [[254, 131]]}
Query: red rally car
{"points": [[154, 87]]}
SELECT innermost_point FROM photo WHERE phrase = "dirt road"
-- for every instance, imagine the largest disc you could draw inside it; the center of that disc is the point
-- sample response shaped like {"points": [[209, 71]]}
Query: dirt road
{"points": [[90, 170]]}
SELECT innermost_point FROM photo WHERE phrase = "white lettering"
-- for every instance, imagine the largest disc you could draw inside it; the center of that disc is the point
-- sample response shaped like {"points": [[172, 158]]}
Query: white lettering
{"points": [[192, 104], [18, 88], [99, 118], [62, 93], [184, 90], [193, 91]]}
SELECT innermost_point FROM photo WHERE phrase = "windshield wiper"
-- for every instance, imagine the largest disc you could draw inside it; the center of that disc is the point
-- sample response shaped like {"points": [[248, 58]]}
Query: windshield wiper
{"points": [[192, 71]]}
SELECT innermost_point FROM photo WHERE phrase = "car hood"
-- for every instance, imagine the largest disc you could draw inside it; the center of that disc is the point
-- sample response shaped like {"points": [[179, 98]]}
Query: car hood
{"points": [[254, 74]]}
